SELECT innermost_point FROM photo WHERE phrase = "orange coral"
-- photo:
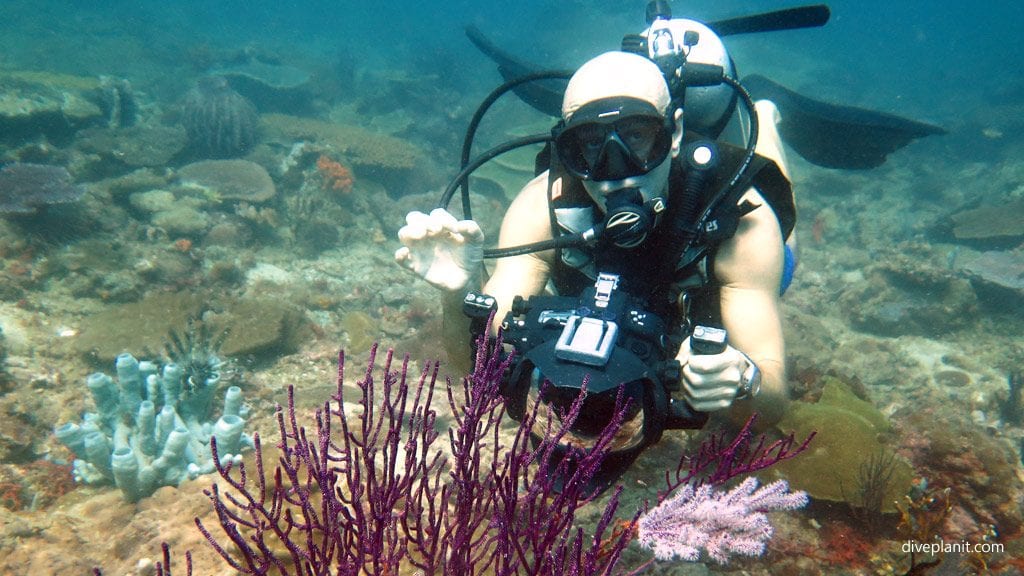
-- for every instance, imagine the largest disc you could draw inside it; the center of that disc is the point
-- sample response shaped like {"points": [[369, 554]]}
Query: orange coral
{"points": [[334, 174], [183, 245]]}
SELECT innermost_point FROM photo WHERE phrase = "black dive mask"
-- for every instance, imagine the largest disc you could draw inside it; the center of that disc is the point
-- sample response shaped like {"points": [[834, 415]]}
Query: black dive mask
{"points": [[629, 219], [613, 139]]}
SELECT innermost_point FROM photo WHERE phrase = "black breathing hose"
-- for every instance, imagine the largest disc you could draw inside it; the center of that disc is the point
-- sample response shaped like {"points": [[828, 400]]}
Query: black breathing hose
{"points": [[579, 239], [748, 157], [474, 123], [462, 178], [566, 241]]}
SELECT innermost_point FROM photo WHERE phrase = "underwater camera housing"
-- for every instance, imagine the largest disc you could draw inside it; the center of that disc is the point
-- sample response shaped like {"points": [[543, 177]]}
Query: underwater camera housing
{"points": [[605, 338]]}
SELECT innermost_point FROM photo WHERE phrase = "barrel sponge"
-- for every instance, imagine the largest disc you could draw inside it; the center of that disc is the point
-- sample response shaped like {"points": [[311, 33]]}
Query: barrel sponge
{"points": [[220, 122]]}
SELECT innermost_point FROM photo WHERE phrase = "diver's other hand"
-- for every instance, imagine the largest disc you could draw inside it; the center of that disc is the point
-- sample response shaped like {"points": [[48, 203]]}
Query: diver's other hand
{"points": [[767, 113], [712, 381], [440, 249]]}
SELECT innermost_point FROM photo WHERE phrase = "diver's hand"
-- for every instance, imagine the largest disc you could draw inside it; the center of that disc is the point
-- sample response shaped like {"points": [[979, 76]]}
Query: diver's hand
{"points": [[712, 381], [440, 249]]}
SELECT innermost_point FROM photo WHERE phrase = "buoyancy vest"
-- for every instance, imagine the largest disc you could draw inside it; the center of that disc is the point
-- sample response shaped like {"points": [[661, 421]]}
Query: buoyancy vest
{"points": [[643, 270]]}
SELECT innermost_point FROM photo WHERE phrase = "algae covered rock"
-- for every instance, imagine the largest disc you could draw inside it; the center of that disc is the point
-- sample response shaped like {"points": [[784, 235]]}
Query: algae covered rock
{"points": [[997, 274], [850, 433], [136, 181], [255, 327], [262, 328], [55, 106], [177, 214], [183, 220], [271, 86], [138, 146], [990, 223], [141, 325]]}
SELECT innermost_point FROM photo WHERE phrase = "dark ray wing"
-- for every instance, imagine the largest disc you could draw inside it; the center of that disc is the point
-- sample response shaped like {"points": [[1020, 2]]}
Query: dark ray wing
{"points": [[545, 96], [828, 135], [837, 136], [785, 19]]}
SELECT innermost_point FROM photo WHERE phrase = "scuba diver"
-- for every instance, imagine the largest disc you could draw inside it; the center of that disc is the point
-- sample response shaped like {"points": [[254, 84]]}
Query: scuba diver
{"points": [[649, 257], [620, 161]]}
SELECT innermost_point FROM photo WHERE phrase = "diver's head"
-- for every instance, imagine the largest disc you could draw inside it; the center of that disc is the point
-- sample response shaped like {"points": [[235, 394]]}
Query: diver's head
{"points": [[618, 135], [616, 123]]}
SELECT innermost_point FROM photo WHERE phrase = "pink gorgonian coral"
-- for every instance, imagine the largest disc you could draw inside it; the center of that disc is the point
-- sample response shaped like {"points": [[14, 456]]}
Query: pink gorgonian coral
{"points": [[722, 523]]}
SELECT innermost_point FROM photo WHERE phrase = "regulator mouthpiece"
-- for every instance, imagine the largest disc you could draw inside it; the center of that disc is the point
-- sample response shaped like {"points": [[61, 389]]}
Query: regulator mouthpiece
{"points": [[629, 219]]}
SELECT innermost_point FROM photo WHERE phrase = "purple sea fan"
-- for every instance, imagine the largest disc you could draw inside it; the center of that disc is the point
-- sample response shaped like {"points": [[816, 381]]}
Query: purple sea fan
{"points": [[368, 491], [721, 523]]}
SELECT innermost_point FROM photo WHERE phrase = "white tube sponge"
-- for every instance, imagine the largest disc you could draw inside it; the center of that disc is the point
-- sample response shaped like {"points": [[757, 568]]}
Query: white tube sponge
{"points": [[126, 473], [228, 432], [150, 432]]}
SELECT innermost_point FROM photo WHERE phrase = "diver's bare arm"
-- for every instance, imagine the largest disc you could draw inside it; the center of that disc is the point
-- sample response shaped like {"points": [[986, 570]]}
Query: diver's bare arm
{"points": [[769, 142], [525, 222], [749, 267], [524, 275], [455, 328]]}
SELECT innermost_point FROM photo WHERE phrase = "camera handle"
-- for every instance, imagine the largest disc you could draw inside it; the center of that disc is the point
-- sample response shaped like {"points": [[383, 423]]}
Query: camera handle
{"points": [[479, 308], [707, 340], [703, 340]]}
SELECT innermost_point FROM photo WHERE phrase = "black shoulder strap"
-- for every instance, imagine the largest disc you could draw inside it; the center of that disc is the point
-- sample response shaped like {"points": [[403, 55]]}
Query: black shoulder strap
{"points": [[766, 176]]}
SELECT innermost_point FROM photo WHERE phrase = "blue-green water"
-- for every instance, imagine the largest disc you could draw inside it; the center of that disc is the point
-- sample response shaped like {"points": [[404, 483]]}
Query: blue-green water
{"points": [[902, 294]]}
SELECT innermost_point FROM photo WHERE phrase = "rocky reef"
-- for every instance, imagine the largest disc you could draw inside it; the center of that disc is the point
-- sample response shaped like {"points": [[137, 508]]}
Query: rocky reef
{"points": [[46, 105]]}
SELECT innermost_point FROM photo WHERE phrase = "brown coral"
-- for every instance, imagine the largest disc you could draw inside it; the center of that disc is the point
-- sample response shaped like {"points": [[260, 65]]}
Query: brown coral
{"points": [[360, 146]]}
